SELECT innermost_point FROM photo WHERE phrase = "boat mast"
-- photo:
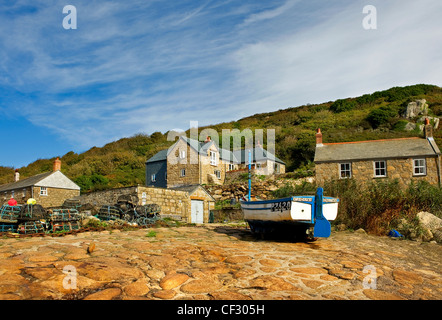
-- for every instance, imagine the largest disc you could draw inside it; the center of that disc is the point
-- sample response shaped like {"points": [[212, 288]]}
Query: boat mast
{"points": [[250, 174]]}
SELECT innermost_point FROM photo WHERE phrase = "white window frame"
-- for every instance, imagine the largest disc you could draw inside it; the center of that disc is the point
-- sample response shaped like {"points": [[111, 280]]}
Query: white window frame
{"points": [[217, 173], [277, 168], [213, 158], [231, 167], [422, 164], [153, 177], [384, 168], [183, 173], [182, 154], [342, 170], [43, 191]]}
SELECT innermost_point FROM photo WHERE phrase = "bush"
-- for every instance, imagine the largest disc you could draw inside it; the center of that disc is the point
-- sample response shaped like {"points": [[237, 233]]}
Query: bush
{"points": [[289, 190], [377, 206], [381, 115], [342, 105]]}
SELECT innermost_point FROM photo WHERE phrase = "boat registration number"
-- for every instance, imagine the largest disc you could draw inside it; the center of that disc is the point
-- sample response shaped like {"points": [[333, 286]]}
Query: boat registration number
{"points": [[281, 206]]}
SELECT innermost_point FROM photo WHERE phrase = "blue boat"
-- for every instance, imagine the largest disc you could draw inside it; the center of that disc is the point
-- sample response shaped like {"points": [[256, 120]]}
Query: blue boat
{"points": [[304, 215], [301, 214]]}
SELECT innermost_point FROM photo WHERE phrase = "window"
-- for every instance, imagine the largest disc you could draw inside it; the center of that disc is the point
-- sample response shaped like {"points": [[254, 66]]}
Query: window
{"points": [[183, 173], [231, 166], [344, 170], [380, 169], [153, 177], [213, 158], [276, 168], [183, 154], [218, 174], [24, 192], [43, 191], [419, 167]]}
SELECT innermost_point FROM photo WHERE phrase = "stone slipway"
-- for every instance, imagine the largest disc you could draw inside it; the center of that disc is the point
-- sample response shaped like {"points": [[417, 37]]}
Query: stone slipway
{"points": [[217, 261]]}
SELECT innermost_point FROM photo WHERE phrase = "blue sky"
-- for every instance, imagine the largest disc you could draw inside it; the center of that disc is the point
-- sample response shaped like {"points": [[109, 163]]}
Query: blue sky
{"points": [[140, 66]]}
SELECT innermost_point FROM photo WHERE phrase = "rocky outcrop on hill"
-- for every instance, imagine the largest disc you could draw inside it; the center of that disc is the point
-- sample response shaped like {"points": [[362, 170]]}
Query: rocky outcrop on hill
{"points": [[416, 108]]}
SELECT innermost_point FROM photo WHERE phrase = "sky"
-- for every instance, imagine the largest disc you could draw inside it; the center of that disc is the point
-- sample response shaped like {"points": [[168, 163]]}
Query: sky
{"points": [[140, 66]]}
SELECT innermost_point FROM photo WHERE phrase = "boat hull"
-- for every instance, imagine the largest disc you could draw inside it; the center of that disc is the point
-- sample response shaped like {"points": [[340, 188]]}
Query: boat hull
{"points": [[294, 209], [309, 214]]}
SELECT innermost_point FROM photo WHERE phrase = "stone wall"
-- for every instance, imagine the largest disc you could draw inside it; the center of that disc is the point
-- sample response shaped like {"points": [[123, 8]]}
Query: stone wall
{"points": [[401, 169], [197, 166], [105, 197], [20, 195], [172, 202], [55, 196], [175, 164], [208, 170]]}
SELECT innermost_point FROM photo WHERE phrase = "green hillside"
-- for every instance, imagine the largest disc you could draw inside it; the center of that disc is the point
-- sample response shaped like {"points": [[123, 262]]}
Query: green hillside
{"points": [[371, 116]]}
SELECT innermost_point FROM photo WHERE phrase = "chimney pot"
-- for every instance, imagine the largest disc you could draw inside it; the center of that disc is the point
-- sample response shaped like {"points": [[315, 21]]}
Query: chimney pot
{"points": [[57, 164], [318, 137], [208, 139], [16, 175]]}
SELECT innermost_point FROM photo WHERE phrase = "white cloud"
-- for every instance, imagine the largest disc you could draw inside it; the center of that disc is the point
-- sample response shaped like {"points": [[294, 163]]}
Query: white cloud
{"points": [[130, 67]]}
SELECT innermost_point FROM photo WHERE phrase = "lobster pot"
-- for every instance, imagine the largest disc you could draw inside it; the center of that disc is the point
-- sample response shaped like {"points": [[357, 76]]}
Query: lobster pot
{"points": [[146, 221], [65, 226], [71, 204], [32, 212], [148, 209], [109, 213], [8, 227], [31, 227], [9, 214], [64, 215]]}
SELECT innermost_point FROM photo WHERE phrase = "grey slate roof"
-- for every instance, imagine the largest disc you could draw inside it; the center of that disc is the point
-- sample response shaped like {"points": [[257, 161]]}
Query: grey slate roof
{"points": [[54, 179], [191, 189], [237, 156], [376, 149], [257, 154], [23, 183], [159, 156]]}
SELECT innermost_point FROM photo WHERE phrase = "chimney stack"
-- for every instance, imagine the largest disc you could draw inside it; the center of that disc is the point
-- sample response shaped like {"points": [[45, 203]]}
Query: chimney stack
{"points": [[208, 139], [318, 138], [57, 164], [16, 175], [428, 129]]}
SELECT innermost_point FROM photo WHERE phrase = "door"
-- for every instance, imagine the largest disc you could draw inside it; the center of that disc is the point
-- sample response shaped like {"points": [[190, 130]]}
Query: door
{"points": [[197, 211]]}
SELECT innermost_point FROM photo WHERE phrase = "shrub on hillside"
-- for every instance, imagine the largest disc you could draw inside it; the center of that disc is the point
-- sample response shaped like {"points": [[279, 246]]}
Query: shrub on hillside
{"points": [[342, 105], [381, 115]]}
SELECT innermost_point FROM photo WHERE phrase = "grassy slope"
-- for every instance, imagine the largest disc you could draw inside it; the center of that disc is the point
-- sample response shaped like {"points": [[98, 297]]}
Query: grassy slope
{"points": [[121, 163]]}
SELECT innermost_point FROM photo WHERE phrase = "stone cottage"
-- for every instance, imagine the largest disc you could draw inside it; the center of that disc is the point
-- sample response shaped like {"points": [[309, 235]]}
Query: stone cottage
{"points": [[49, 189], [405, 159], [190, 162]]}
